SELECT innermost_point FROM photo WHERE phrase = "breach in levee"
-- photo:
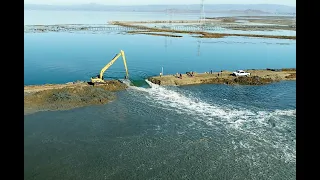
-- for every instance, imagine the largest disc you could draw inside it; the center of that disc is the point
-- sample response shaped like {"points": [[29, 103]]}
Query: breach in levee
{"points": [[99, 78]]}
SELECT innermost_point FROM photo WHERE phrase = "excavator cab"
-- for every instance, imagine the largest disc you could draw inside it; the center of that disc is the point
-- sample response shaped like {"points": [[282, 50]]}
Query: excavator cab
{"points": [[98, 76], [99, 79]]}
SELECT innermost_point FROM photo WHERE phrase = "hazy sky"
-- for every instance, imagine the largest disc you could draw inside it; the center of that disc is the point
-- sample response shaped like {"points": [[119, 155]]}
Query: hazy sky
{"points": [[144, 2]]}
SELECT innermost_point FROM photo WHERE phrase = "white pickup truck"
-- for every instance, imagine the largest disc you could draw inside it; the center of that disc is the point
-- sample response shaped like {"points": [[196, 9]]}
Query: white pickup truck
{"points": [[241, 73]]}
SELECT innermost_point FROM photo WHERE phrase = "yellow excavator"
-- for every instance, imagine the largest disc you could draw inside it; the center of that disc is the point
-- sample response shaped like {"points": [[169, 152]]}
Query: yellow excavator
{"points": [[99, 78]]}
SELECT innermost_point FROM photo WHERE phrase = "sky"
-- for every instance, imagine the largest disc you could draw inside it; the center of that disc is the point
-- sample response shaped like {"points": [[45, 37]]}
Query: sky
{"points": [[149, 2]]}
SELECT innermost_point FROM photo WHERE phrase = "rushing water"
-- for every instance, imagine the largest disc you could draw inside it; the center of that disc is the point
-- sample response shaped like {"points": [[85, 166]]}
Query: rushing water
{"points": [[194, 132], [191, 132]]}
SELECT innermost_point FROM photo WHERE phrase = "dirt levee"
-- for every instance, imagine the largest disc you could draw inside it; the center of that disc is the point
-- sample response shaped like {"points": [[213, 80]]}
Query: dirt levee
{"points": [[64, 97], [257, 77]]}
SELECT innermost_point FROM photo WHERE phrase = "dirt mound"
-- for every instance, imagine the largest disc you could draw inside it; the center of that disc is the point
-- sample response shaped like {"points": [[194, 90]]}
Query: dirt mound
{"points": [[292, 75], [257, 77], [216, 81], [253, 80], [288, 69], [71, 97], [113, 85]]}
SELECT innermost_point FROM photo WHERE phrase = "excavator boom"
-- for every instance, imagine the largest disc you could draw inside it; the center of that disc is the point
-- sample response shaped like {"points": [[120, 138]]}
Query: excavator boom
{"points": [[99, 79], [125, 63]]}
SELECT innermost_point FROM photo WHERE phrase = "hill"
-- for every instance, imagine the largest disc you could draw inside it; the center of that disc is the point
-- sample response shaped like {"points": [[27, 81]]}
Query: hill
{"points": [[193, 8]]}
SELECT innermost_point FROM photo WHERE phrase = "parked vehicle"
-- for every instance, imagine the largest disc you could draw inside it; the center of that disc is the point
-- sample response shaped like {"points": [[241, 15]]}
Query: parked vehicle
{"points": [[240, 73]]}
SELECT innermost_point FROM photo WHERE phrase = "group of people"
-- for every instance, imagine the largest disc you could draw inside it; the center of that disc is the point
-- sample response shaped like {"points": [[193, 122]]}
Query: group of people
{"points": [[211, 72], [179, 75], [191, 74]]}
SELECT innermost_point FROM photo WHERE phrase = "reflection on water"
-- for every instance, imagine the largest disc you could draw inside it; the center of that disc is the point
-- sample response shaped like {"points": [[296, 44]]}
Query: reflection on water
{"points": [[65, 57], [32, 17]]}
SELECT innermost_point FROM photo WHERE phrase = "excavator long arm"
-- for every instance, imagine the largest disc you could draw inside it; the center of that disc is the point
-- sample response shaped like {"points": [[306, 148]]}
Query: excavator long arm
{"points": [[125, 63], [108, 65], [112, 61]]}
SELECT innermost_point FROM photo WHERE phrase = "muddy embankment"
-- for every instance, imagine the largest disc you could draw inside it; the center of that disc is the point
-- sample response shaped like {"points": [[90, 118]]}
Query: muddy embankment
{"points": [[68, 96], [258, 23], [200, 34], [257, 77], [153, 34], [53, 97]]}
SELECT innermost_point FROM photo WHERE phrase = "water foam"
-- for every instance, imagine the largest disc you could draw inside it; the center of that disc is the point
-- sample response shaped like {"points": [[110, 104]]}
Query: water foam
{"points": [[181, 103], [251, 123]]}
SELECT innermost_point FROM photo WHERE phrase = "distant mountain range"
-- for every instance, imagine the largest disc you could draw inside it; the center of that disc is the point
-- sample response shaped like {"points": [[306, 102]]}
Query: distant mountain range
{"points": [[193, 8]]}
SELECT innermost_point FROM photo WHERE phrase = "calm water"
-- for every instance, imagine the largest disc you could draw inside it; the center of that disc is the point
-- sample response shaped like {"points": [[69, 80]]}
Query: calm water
{"points": [[65, 57], [192, 132], [32, 17]]}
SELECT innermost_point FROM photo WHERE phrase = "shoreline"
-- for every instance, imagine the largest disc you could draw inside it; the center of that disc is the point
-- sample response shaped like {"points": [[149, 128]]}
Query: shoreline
{"points": [[201, 34], [210, 27], [257, 77], [57, 97]]}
